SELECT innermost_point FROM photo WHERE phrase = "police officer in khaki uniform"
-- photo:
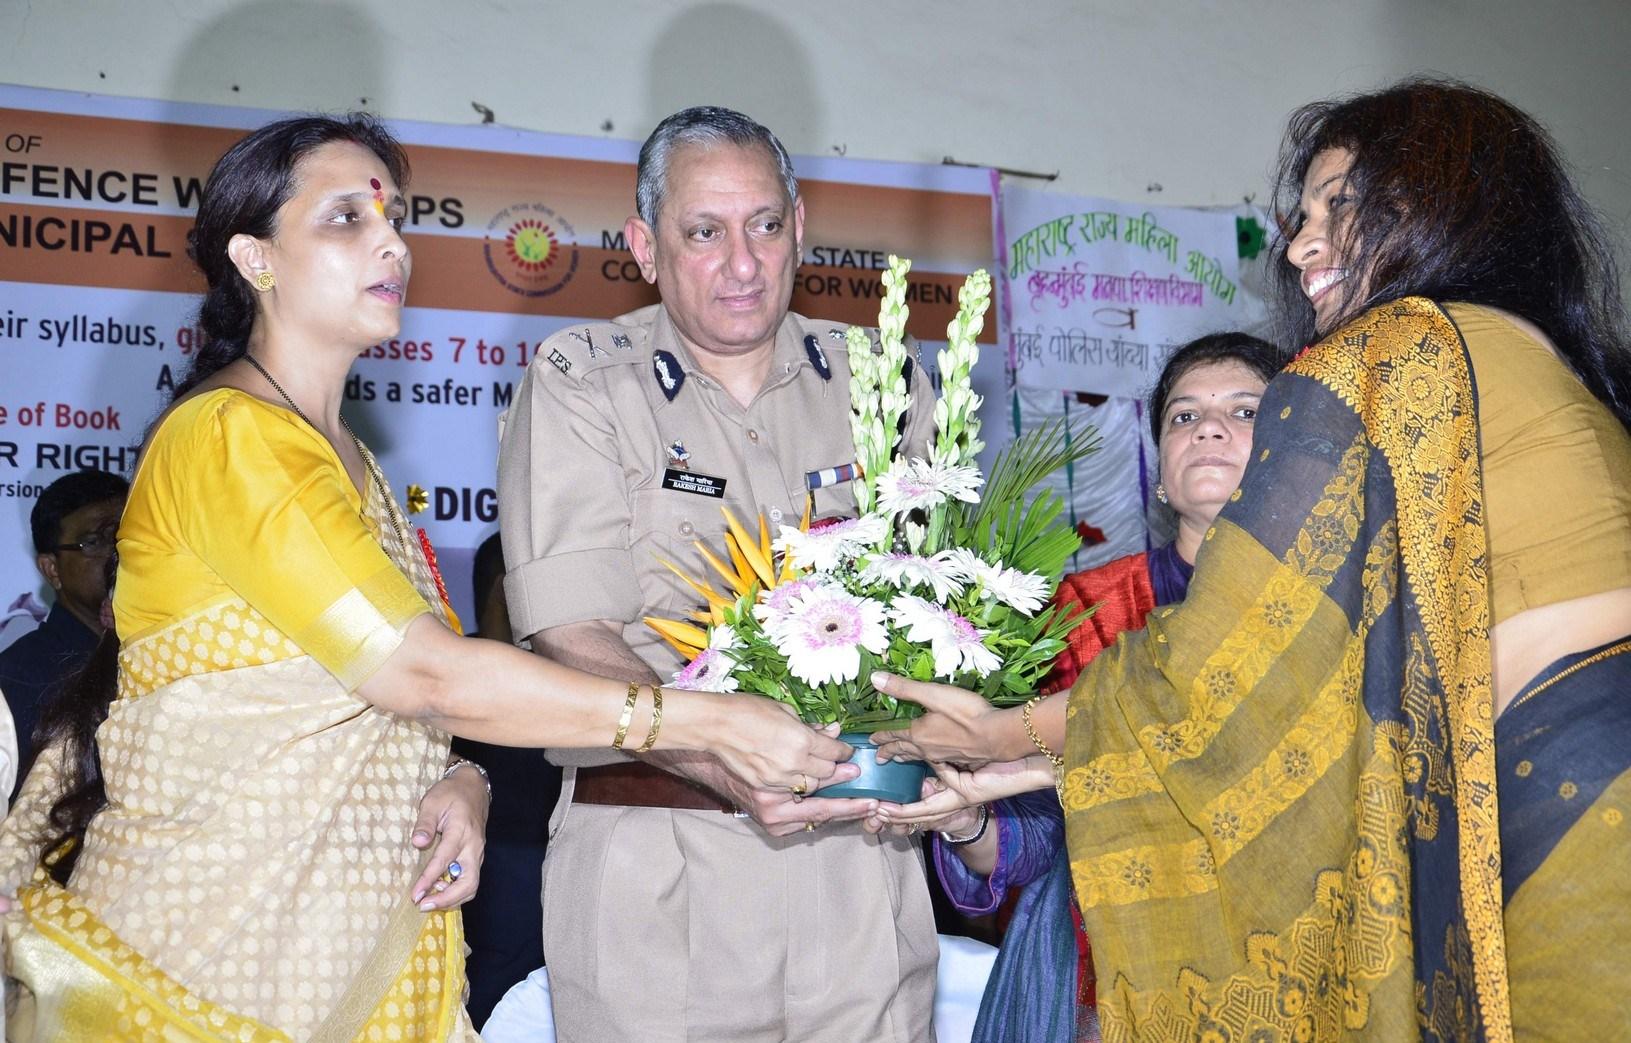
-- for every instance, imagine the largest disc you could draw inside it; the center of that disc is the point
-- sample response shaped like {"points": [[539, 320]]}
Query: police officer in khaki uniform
{"points": [[668, 913]]}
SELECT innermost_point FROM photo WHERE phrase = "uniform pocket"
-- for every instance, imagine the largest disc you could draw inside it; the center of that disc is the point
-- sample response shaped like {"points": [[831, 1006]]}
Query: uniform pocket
{"points": [[664, 526]]}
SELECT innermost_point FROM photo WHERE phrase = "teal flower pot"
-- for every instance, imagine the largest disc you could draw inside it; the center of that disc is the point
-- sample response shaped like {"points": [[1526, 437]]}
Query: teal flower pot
{"points": [[897, 781]]}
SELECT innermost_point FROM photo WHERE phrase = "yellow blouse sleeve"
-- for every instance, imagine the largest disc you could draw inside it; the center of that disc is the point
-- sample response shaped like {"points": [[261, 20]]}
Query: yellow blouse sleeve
{"points": [[268, 507]]}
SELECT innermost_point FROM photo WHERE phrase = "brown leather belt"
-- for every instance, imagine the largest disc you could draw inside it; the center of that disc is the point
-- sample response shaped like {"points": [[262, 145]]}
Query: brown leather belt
{"points": [[639, 785]]}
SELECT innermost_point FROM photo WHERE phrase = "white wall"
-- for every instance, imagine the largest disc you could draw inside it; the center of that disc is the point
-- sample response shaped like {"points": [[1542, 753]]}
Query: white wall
{"points": [[1118, 97]]}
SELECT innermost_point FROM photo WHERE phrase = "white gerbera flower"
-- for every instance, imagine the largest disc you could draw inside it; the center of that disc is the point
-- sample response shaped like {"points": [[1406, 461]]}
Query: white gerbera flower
{"points": [[774, 604], [905, 571], [824, 549], [921, 485], [969, 566], [711, 670], [955, 643], [823, 633], [1024, 592]]}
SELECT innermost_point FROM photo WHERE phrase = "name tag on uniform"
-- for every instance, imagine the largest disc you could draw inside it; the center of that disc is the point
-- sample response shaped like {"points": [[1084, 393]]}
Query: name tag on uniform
{"points": [[693, 482]]}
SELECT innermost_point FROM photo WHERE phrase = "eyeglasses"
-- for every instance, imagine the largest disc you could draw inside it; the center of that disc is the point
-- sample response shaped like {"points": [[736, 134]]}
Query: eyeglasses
{"points": [[97, 545]]}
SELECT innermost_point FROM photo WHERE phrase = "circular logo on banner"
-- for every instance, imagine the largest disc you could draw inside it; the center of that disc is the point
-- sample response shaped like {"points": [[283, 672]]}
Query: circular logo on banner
{"points": [[529, 249]]}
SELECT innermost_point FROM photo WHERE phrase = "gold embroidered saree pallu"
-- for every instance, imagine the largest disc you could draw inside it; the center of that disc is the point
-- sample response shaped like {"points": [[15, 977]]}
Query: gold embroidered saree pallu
{"points": [[249, 877], [1280, 798]]}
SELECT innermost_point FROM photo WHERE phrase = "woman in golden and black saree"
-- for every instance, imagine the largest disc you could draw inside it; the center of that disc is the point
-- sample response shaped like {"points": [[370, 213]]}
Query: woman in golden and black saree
{"points": [[1370, 780]]}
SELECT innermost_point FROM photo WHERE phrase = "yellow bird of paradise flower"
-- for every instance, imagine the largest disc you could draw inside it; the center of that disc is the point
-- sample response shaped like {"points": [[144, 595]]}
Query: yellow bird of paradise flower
{"points": [[752, 569]]}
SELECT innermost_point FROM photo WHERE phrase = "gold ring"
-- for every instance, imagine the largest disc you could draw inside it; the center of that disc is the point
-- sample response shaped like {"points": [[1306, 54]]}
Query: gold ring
{"points": [[803, 787], [809, 827]]}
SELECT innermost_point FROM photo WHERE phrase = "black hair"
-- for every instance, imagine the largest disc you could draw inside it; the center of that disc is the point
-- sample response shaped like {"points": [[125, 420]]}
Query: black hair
{"points": [[1457, 195], [67, 495], [245, 190], [70, 718], [1255, 354]]}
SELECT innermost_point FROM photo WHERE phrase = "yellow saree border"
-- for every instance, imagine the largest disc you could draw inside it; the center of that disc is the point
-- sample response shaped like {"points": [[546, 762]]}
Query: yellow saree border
{"points": [[1439, 510], [375, 994], [117, 992], [83, 982]]}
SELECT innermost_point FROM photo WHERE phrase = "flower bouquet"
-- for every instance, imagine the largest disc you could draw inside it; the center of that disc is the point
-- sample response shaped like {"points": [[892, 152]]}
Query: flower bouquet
{"points": [[943, 576]]}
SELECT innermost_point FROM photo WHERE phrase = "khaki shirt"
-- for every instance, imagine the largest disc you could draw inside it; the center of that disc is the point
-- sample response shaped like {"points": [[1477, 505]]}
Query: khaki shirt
{"points": [[614, 443]]}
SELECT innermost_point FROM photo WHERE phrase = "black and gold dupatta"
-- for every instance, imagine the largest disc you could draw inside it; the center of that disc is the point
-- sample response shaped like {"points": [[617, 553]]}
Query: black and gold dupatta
{"points": [[1280, 798]]}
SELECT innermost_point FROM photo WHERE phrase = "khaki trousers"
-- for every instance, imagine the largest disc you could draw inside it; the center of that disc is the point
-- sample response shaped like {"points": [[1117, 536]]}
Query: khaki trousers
{"points": [[664, 925]]}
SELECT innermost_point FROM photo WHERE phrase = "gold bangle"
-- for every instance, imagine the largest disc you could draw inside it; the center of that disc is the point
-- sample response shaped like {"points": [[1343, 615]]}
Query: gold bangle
{"points": [[628, 715], [1057, 761], [656, 720]]}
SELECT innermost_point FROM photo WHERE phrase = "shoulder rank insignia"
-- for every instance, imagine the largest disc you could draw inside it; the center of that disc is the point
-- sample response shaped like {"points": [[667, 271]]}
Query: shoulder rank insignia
{"points": [[670, 377], [588, 338], [835, 333], [621, 340], [818, 358]]}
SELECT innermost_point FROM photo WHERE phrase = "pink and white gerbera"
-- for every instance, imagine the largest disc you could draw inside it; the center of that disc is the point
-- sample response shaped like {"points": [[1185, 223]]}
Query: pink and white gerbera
{"points": [[905, 571], [956, 644], [711, 670], [917, 484], [823, 631], [1025, 592], [826, 548]]}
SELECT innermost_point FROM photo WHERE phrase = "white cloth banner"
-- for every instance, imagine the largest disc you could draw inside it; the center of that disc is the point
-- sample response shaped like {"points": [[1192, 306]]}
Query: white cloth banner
{"points": [[1096, 296], [1107, 495], [1099, 293]]}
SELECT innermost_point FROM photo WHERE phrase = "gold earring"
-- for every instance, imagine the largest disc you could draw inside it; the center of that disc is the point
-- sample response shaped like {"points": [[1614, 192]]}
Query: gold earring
{"points": [[265, 281], [1161, 493]]}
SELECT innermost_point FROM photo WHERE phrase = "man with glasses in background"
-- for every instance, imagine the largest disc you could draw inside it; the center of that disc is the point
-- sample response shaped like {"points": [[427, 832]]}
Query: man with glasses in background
{"points": [[75, 524]]}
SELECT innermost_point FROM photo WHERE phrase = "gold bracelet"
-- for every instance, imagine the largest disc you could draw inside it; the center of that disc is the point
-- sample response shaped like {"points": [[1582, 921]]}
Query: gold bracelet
{"points": [[656, 720], [628, 715], [1057, 761]]}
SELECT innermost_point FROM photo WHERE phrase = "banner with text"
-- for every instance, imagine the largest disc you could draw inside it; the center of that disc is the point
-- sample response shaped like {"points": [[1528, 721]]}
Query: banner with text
{"points": [[1100, 292], [1097, 295], [514, 234]]}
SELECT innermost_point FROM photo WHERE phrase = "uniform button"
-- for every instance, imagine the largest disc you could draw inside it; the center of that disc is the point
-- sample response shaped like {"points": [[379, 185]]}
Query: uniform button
{"points": [[775, 514], [753, 436], [686, 529]]}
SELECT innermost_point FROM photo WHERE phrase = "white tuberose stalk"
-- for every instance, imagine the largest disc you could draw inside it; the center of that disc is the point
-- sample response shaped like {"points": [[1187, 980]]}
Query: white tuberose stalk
{"points": [[956, 419], [866, 426]]}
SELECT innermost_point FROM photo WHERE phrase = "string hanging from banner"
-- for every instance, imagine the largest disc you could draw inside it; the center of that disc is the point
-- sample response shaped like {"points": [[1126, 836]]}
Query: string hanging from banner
{"points": [[948, 161]]}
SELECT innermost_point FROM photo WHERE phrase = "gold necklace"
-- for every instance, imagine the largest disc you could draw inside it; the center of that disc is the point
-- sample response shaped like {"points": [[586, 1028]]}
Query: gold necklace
{"points": [[368, 464]]}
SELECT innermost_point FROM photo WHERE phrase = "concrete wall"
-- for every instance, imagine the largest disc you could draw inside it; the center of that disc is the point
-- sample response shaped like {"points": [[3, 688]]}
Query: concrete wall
{"points": [[1177, 101]]}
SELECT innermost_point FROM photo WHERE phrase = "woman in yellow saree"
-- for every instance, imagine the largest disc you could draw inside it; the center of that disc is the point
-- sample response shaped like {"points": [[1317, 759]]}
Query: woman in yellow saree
{"points": [[288, 672], [1371, 779]]}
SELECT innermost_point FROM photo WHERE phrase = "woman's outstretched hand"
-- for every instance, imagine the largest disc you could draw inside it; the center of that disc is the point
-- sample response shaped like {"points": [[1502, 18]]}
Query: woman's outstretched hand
{"points": [[965, 788], [764, 744], [959, 727]]}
